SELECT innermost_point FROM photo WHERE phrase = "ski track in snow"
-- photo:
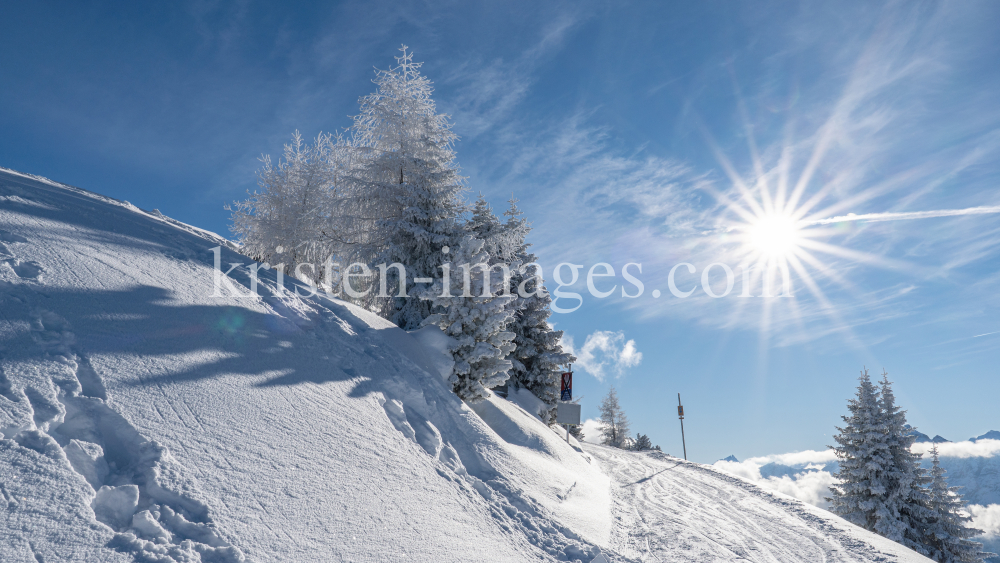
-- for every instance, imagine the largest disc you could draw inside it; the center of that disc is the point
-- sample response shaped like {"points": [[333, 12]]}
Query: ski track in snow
{"points": [[667, 509]]}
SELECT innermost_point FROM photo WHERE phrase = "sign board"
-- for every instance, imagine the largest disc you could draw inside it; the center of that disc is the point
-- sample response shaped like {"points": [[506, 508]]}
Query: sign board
{"points": [[567, 387], [567, 413]]}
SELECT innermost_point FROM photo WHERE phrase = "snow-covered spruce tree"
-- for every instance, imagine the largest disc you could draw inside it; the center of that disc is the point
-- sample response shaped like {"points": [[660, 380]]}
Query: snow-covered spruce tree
{"points": [[404, 200], [473, 308], [538, 355], [290, 221], [906, 494], [614, 423], [641, 443], [947, 537], [486, 226], [865, 461]]}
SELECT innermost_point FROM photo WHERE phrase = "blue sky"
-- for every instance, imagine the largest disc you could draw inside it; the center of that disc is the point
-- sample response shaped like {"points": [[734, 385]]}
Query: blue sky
{"points": [[630, 133]]}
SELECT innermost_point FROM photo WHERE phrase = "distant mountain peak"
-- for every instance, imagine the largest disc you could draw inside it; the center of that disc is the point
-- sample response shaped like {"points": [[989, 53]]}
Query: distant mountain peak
{"points": [[731, 458], [921, 437], [991, 435]]}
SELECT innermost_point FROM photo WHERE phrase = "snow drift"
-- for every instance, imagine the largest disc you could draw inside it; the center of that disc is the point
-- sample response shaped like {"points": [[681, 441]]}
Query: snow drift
{"points": [[145, 419]]}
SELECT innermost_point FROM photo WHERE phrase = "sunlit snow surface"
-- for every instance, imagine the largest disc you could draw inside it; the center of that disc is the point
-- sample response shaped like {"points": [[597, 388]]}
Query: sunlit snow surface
{"points": [[144, 419]]}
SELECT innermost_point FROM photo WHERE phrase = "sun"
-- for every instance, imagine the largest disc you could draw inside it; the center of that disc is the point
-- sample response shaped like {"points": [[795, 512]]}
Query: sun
{"points": [[774, 235], [778, 231]]}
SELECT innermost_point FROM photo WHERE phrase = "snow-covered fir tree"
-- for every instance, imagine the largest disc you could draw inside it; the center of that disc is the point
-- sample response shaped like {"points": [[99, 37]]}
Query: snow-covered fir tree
{"points": [[865, 462], [538, 354], [290, 220], [614, 423], [473, 310], [486, 226], [947, 536], [498, 244], [906, 496], [404, 202], [642, 443]]}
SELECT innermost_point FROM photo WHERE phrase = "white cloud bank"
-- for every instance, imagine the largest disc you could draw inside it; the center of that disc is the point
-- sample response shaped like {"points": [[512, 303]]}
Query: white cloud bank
{"points": [[592, 431], [604, 351], [808, 482], [807, 476], [979, 448], [987, 519]]}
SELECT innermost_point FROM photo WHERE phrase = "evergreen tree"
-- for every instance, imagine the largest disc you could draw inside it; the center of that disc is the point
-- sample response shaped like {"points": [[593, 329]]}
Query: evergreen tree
{"points": [[865, 461], [404, 201], [614, 423], [906, 495], [538, 355], [947, 537], [485, 225], [577, 431], [642, 443], [471, 311]]}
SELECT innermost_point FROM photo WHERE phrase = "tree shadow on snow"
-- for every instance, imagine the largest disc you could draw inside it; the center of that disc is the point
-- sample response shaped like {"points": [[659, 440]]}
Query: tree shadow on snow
{"points": [[281, 348], [647, 478], [327, 345]]}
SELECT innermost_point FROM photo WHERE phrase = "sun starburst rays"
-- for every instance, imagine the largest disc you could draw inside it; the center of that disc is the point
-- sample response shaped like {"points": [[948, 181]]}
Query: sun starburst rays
{"points": [[781, 246], [777, 228]]}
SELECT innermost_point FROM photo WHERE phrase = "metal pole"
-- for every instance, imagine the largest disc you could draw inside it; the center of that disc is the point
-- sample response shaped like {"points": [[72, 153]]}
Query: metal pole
{"points": [[680, 414], [570, 366]]}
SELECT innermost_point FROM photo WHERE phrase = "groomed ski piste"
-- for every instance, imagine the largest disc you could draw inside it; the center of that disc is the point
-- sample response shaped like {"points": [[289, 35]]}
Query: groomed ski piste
{"points": [[144, 419]]}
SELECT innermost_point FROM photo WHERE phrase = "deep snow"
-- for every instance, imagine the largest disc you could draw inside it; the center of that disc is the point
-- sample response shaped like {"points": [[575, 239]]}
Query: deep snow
{"points": [[144, 419]]}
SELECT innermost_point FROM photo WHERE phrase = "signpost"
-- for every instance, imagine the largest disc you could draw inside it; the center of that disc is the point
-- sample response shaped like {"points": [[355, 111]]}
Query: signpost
{"points": [[567, 413], [680, 414], [567, 386]]}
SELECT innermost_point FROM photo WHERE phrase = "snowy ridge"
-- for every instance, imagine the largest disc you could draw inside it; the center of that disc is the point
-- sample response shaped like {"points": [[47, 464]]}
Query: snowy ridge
{"points": [[192, 430], [154, 214], [144, 419]]}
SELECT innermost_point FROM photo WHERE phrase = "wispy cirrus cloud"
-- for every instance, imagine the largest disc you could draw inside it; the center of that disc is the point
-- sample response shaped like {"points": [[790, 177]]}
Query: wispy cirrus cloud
{"points": [[489, 91], [906, 216], [854, 142]]}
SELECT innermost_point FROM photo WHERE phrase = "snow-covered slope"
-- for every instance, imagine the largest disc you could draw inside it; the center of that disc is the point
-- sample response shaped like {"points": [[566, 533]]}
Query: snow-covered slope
{"points": [[144, 419], [672, 510], [973, 465]]}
